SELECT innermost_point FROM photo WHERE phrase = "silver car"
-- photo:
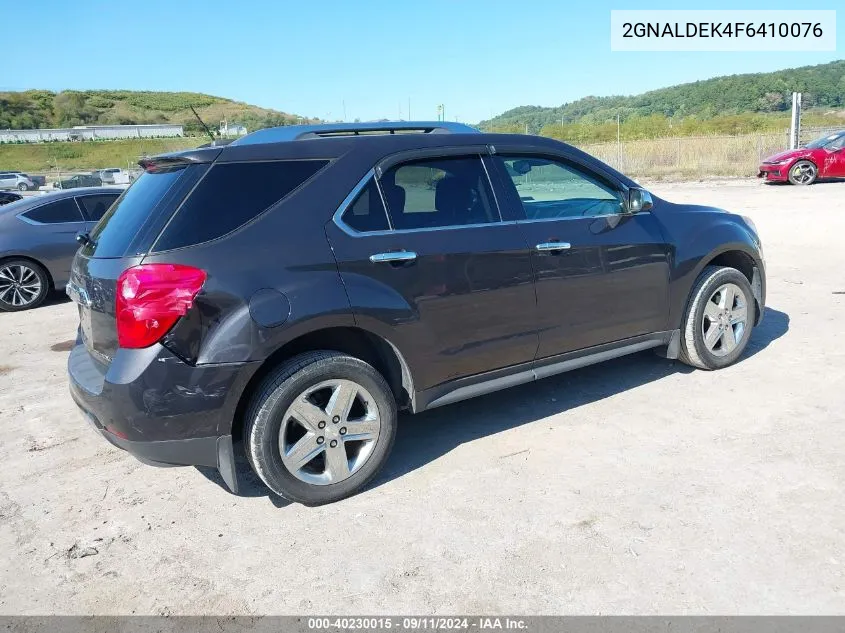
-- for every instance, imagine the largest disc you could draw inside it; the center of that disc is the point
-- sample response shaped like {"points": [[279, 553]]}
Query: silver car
{"points": [[38, 241], [16, 180]]}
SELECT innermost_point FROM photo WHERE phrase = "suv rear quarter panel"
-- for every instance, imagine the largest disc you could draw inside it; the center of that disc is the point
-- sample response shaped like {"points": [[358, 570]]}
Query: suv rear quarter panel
{"points": [[283, 251]]}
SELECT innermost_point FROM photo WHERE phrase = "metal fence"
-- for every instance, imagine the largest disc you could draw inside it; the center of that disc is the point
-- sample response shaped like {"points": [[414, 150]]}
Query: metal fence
{"points": [[696, 156]]}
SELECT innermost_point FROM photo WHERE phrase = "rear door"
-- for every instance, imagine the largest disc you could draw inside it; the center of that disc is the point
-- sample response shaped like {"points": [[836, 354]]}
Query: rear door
{"points": [[602, 275], [440, 275]]}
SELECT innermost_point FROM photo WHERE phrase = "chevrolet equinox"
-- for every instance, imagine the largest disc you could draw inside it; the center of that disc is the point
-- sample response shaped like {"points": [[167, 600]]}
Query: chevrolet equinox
{"points": [[371, 268]]}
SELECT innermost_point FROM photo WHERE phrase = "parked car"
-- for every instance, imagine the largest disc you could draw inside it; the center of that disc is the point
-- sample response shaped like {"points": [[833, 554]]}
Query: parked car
{"points": [[38, 181], [7, 197], [79, 180], [37, 242], [113, 175], [16, 180], [823, 158], [368, 273]]}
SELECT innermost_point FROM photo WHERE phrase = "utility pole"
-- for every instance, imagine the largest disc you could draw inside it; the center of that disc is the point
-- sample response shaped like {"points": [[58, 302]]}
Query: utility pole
{"points": [[409, 108], [795, 123]]}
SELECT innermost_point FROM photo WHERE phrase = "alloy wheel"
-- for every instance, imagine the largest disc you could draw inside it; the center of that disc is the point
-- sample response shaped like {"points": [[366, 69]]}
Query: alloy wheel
{"points": [[725, 319], [329, 432], [19, 285], [804, 173]]}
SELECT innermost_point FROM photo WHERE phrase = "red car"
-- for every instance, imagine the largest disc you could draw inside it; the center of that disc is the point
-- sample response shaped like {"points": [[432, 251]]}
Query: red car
{"points": [[823, 158]]}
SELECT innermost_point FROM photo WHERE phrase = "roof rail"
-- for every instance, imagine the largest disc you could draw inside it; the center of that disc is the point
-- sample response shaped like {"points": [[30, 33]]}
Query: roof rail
{"points": [[327, 130]]}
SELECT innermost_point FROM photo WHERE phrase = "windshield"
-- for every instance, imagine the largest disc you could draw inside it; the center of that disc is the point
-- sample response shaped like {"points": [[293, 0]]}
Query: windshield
{"points": [[825, 140]]}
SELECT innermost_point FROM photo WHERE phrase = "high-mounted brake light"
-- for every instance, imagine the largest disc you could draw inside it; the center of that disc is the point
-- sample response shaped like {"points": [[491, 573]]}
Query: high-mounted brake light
{"points": [[151, 298]]}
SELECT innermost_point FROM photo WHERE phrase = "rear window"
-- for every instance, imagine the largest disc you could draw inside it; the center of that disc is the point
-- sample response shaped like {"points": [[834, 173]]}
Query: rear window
{"points": [[232, 194], [128, 218]]}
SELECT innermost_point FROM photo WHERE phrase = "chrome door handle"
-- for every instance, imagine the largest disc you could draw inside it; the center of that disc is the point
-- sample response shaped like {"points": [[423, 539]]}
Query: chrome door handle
{"points": [[395, 256], [545, 247]]}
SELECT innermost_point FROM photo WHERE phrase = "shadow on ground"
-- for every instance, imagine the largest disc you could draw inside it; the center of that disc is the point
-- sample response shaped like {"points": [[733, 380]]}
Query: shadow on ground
{"points": [[429, 435]]}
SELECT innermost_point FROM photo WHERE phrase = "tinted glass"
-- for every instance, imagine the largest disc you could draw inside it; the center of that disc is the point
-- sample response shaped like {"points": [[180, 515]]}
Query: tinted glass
{"points": [[96, 206], [439, 192], [57, 212], [118, 227], [231, 195], [367, 212], [550, 189], [838, 143]]}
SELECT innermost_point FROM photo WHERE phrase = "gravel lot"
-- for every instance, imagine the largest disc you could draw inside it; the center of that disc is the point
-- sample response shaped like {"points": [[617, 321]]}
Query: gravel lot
{"points": [[636, 486]]}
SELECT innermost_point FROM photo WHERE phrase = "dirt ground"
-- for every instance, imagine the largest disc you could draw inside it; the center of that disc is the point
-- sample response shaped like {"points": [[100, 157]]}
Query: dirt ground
{"points": [[636, 486]]}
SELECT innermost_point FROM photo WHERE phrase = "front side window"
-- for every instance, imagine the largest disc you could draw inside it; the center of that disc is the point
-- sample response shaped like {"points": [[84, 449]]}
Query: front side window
{"points": [[439, 192], [550, 189], [837, 144], [55, 213]]}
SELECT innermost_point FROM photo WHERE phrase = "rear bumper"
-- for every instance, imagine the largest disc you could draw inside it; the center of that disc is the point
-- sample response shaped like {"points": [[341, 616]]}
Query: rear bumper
{"points": [[774, 173], [158, 408]]}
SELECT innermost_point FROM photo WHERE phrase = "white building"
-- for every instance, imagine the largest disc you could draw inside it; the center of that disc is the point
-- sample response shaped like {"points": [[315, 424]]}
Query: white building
{"points": [[232, 129], [90, 133]]}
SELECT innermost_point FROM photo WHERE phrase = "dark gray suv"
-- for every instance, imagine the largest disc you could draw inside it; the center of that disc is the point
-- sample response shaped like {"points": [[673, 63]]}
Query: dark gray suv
{"points": [[373, 268], [37, 241]]}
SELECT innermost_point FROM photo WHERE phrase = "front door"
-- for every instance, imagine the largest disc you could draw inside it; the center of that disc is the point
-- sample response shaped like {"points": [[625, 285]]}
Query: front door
{"points": [[834, 166], [602, 275], [439, 275]]}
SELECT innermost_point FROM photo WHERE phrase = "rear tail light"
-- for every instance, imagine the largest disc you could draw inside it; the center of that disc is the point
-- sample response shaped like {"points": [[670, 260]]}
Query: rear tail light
{"points": [[151, 298]]}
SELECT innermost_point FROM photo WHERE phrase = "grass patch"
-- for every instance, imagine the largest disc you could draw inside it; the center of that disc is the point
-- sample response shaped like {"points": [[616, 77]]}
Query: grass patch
{"points": [[67, 157]]}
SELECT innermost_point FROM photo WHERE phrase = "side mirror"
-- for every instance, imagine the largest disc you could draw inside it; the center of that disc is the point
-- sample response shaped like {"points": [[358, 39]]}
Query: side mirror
{"points": [[639, 200]]}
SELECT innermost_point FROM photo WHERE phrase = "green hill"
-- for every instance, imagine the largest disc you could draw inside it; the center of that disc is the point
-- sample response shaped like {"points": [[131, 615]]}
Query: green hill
{"points": [[733, 104], [43, 109]]}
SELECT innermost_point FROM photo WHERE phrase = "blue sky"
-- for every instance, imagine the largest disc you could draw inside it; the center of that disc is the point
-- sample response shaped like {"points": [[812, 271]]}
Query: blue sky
{"points": [[478, 58]]}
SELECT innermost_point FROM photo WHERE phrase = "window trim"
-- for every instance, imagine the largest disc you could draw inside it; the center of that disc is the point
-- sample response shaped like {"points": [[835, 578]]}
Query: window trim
{"points": [[506, 182], [407, 157], [23, 217]]}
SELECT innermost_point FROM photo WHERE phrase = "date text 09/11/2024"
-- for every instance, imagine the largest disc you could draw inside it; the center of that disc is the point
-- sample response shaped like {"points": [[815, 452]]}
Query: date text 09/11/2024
{"points": [[416, 623]]}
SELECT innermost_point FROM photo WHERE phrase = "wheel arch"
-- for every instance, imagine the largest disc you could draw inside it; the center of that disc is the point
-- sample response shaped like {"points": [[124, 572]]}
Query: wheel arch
{"points": [[371, 348], [740, 257]]}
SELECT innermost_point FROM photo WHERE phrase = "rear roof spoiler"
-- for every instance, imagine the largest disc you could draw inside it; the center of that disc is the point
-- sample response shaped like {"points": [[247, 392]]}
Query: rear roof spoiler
{"points": [[187, 157], [330, 130]]}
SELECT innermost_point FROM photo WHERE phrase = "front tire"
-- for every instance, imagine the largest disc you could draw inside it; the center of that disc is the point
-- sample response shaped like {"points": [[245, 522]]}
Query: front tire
{"points": [[803, 173], [320, 427], [719, 319], [23, 285]]}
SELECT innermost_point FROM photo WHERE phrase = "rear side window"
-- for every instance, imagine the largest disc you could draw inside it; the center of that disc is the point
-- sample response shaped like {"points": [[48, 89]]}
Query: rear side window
{"points": [[367, 212], [232, 194], [55, 213], [96, 206], [440, 192], [127, 217]]}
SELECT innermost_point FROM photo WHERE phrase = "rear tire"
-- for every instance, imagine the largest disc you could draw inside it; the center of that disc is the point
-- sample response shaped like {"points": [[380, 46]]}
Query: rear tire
{"points": [[320, 427], [24, 285], [719, 319], [23, 187], [803, 173]]}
